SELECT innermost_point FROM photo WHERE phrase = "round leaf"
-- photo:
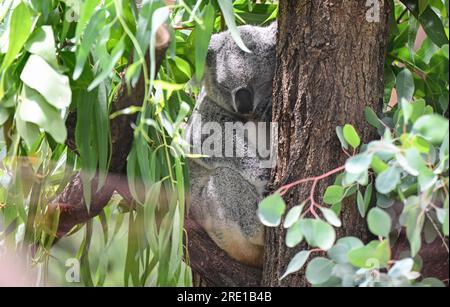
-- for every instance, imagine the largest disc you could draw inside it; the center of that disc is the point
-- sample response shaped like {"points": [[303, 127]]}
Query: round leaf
{"points": [[351, 136], [432, 127], [271, 209], [318, 233], [379, 222], [388, 180], [333, 195], [319, 270], [358, 164]]}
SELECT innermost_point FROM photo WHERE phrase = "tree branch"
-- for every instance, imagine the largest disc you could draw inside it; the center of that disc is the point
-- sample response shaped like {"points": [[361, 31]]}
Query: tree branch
{"points": [[214, 266]]}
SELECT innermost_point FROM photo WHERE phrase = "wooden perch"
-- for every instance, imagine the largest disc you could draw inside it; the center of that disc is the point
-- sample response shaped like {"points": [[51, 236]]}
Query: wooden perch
{"points": [[206, 258], [214, 266]]}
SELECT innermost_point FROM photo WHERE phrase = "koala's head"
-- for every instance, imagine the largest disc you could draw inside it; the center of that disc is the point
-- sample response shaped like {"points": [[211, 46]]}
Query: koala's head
{"points": [[238, 81]]}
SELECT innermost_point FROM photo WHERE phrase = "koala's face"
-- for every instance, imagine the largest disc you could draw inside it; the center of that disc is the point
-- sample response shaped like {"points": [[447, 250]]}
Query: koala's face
{"points": [[238, 81]]}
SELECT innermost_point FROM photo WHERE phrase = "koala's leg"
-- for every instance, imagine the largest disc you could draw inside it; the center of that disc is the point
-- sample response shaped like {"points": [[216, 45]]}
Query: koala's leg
{"points": [[225, 205]]}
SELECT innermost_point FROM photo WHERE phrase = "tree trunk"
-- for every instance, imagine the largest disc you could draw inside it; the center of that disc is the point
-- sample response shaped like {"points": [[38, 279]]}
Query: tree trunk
{"points": [[330, 65]]}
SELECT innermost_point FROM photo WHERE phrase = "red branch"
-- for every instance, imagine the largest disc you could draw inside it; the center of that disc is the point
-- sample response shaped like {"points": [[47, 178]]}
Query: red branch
{"points": [[284, 189]]}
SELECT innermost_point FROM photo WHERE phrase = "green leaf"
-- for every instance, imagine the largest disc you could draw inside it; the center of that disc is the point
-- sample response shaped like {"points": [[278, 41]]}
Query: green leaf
{"points": [[361, 205], [42, 43], [423, 4], [374, 255], [401, 268], [21, 26], [388, 180], [413, 26], [293, 215], [202, 38], [318, 233], [379, 222], [94, 27], [333, 195], [294, 235], [228, 13], [405, 92], [86, 12], [319, 270], [110, 61], [433, 27], [271, 209], [378, 165], [432, 127], [28, 132], [351, 136], [372, 118], [331, 217], [340, 135], [405, 86], [101, 126], [159, 17], [4, 115], [413, 219], [343, 246], [34, 109], [384, 202], [364, 203], [297, 262], [411, 162], [427, 179], [52, 85], [358, 164]]}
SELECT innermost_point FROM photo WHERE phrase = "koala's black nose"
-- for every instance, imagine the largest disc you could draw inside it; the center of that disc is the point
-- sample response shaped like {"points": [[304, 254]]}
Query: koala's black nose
{"points": [[243, 100]]}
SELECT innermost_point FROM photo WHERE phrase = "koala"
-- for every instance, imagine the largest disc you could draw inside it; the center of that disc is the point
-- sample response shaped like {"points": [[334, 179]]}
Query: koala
{"points": [[226, 190]]}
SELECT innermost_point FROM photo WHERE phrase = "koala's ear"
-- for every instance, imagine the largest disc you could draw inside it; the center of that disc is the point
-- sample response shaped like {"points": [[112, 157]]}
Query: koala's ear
{"points": [[272, 31], [215, 44]]}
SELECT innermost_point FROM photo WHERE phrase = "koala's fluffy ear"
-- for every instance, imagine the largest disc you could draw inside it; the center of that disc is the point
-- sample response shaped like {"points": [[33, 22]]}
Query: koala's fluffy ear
{"points": [[214, 47], [272, 31], [216, 43]]}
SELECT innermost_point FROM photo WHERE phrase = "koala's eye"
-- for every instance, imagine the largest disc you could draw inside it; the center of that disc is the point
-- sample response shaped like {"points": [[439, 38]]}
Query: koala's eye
{"points": [[243, 100]]}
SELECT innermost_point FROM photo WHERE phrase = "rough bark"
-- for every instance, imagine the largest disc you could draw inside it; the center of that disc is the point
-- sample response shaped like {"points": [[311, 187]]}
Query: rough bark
{"points": [[212, 266], [330, 63]]}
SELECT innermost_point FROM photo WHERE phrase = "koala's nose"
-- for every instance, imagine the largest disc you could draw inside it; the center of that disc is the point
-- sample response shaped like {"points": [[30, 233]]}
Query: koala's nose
{"points": [[243, 100]]}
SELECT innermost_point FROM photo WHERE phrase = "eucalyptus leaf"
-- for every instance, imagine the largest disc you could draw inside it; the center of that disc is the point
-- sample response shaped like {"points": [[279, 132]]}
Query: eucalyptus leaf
{"points": [[226, 7], [34, 109], [271, 209], [297, 262], [319, 270], [388, 180], [52, 85], [379, 222]]}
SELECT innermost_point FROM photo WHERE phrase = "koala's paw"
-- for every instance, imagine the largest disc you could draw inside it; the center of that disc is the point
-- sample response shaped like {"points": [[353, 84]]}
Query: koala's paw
{"points": [[238, 246]]}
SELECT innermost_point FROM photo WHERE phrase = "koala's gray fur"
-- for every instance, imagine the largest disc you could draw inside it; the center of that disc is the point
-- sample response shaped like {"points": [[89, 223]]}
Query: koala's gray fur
{"points": [[225, 192]]}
